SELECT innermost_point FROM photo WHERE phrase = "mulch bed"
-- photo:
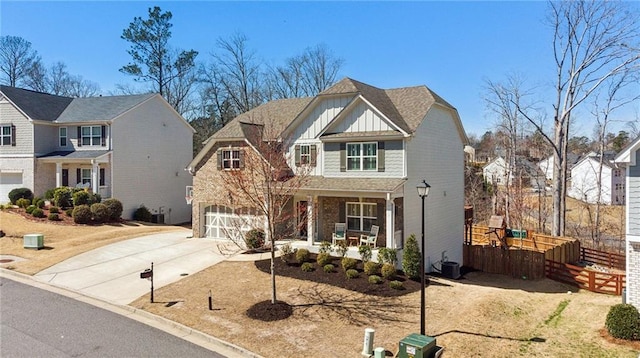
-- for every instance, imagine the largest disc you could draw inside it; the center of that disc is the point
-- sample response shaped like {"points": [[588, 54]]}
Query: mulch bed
{"points": [[338, 278]]}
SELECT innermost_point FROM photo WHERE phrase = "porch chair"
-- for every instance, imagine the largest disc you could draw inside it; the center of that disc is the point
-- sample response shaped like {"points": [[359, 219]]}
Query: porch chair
{"points": [[371, 237], [339, 233]]}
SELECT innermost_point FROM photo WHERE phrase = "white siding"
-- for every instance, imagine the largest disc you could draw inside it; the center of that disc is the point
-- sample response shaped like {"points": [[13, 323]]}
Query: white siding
{"points": [[151, 147], [319, 117], [633, 200], [584, 182], [9, 115], [394, 162], [436, 155], [362, 118]]}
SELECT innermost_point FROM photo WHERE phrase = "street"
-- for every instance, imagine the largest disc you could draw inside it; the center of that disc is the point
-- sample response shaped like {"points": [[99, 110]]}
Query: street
{"points": [[39, 323]]}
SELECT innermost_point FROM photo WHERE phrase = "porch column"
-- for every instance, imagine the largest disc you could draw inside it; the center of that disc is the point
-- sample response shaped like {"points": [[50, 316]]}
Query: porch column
{"points": [[311, 232], [390, 220], [95, 183], [58, 175]]}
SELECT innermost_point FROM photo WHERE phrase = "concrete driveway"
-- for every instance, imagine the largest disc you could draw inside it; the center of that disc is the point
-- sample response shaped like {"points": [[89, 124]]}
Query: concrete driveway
{"points": [[112, 272]]}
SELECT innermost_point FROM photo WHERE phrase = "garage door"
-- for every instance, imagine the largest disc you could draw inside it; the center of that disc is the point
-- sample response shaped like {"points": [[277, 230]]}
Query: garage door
{"points": [[221, 223], [8, 182]]}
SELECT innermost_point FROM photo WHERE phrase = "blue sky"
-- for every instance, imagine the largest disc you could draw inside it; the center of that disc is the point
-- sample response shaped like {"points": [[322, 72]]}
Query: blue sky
{"points": [[451, 47]]}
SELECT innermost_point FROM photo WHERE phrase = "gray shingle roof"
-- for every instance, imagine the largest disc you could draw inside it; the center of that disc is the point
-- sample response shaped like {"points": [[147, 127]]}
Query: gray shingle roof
{"points": [[100, 108], [352, 184], [37, 105], [78, 154]]}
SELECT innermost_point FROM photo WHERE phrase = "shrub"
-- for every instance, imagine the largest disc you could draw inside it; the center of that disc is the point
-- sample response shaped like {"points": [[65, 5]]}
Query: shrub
{"points": [[37, 213], [81, 198], [54, 217], [54, 210], [95, 198], [81, 214], [371, 268], [49, 193], [254, 238], [387, 255], [20, 193], [388, 271], [29, 209], [323, 259], [23, 202], [99, 212], [62, 197], [69, 212], [411, 258], [287, 252], [365, 252], [342, 248], [374, 279], [302, 255], [328, 268], [352, 273], [623, 321], [307, 267], [325, 247], [348, 263], [142, 214], [396, 285], [114, 206], [39, 203]]}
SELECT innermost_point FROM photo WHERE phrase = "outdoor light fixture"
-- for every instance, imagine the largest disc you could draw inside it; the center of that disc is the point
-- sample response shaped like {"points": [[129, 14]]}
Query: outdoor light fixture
{"points": [[423, 191]]}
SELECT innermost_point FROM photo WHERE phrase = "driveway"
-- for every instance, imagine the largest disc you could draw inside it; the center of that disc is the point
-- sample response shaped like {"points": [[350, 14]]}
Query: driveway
{"points": [[112, 272]]}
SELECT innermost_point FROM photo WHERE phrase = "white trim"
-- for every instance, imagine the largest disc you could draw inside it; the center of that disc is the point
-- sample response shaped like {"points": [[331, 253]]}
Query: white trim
{"points": [[17, 155], [361, 156], [361, 216], [66, 136]]}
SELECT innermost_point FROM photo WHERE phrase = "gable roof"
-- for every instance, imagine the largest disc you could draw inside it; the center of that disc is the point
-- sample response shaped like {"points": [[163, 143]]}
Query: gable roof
{"points": [[628, 154], [100, 108], [37, 105]]}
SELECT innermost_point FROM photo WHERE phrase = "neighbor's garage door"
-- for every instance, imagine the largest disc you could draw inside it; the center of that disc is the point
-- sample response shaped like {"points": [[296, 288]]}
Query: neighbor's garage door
{"points": [[8, 182], [221, 223]]}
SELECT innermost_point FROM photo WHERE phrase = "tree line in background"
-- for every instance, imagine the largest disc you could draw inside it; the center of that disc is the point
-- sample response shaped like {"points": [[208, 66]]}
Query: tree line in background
{"points": [[208, 93]]}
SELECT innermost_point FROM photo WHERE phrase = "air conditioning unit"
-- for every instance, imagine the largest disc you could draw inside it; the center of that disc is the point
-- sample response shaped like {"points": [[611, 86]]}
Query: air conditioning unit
{"points": [[451, 269], [34, 241]]}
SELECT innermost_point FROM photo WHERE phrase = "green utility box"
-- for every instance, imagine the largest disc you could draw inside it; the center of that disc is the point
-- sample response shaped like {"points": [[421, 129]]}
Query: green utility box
{"points": [[34, 241], [519, 234], [417, 346]]}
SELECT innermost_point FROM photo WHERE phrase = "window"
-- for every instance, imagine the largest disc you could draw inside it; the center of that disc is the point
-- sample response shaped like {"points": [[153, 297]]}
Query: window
{"points": [[616, 173], [91, 135], [63, 136], [7, 135], [305, 154], [360, 216], [85, 177], [230, 159], [362, 156]]}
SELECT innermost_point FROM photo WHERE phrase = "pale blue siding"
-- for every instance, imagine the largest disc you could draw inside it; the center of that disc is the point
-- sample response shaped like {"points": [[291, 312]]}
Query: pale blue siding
{"points": [[633, 200], [394, 162]]}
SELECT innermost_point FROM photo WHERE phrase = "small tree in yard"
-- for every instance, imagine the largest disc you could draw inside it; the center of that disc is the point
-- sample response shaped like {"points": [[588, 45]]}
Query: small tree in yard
{"points": [[411, 258], [265, 183]]}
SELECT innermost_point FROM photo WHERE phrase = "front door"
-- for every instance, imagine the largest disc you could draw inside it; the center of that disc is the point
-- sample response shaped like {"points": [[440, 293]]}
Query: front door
{"points": [[302, 219], [65, 177]]}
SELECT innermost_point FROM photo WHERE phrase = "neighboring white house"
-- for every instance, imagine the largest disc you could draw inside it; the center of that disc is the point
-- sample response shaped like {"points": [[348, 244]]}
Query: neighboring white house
{"points": [[546, 165], [496, 171], [628, 158], [132, 148], [367, 149], [525, 173], [584, 181]]}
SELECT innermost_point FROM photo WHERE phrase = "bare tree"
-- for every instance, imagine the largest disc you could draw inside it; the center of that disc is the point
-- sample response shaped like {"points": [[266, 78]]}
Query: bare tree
{"points": [[17, 60], [266, 183], [58, 81]]}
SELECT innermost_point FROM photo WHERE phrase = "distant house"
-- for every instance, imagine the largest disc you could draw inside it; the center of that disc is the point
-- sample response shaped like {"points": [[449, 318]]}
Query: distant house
{"points": [[628, 158], [524, 173], [584, 180], [546, 165], [133, 148], [366, 149]]}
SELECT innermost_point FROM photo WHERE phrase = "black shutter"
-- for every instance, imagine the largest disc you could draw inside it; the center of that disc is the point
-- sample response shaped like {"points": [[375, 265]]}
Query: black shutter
{"points": [[381, 208], [241, 158], [314, 153], [79, 136], [297, 155], [343, 157], [102, 176], [104, 136], [380, 156], [219, 159], [78, 176], [13, 135], [342, 213]]}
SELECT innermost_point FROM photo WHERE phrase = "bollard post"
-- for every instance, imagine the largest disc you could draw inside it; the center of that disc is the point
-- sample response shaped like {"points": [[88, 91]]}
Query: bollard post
{"points": [[210, 301], [367, 348], [379, 353]]}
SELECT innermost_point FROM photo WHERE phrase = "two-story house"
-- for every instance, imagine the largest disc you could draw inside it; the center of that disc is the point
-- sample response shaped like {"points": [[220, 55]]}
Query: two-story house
{"points": [[367, 149], [132, 148], [587, 175], [628, 158], [524, 173]]}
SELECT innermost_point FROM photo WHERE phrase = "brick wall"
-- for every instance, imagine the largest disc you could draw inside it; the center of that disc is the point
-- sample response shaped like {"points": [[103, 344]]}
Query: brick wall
{"points": [[330, 212]]}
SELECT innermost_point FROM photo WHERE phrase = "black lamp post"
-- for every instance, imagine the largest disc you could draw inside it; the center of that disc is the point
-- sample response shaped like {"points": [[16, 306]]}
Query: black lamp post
{"points": [[423, 191]]}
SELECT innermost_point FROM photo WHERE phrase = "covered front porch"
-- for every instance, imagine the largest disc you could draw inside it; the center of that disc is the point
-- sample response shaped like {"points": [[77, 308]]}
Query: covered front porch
{"points": [[89, 169], [359, 203]]}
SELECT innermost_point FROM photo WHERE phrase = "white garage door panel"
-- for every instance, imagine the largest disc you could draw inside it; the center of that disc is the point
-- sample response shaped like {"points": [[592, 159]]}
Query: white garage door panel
{"points": [[8, 182], [221, 223]]}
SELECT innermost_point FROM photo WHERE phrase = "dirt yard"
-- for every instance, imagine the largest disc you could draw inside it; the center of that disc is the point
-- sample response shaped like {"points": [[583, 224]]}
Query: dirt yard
{"points": [[481, 315]]}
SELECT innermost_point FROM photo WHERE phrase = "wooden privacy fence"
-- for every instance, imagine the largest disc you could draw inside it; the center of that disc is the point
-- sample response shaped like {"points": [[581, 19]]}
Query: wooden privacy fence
{"points": [[516, 263], [601, 282], [608, 259]]}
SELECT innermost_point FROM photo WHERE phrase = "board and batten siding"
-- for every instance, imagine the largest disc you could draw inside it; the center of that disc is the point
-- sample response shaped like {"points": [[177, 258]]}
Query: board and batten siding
{"points": [[321, 115], [10, 115], [633, 199], [435, 154], [394, 162], [362, 118], [151, 147]]}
